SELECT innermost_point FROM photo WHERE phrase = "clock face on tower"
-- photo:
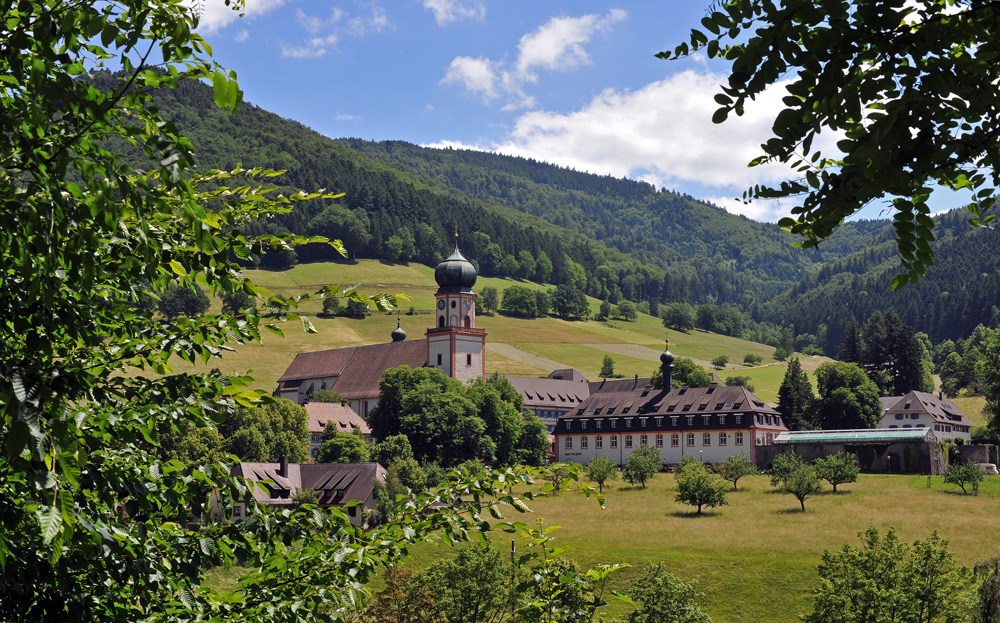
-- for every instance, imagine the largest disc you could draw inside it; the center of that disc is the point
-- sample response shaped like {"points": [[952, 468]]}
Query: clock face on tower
{"points": [[468, 304], [440, 303]]}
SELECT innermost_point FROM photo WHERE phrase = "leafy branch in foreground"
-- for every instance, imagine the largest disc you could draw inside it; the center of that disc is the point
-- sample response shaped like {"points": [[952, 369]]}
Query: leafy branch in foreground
{"points": [[899, 85]]}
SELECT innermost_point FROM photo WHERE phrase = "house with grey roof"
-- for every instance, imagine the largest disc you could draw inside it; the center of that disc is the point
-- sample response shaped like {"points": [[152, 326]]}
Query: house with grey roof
{"points": [[924, 410], [275, 484]]}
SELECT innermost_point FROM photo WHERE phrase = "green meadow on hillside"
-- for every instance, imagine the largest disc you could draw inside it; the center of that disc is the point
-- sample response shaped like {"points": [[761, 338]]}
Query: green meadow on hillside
{"points": [[756, 559], [514, 345]]}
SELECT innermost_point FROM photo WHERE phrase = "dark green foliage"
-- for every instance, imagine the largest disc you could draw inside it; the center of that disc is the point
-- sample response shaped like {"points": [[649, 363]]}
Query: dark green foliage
{"points": [[838, 469], [342, 447], [305, 496], [543, 303], [850, 348], [600, 470], [325, 395], [802, 482], [519, 301], [268, 432], [627, 311], [892, 357], [604, 312], [966, 474], [447, 422], [607, 367], [687, 372], [885, 580], [331, 306], [698, 487], [751, 359], [355, 309], [664, 598], [489, 300], [642, 465], [391, 449], [735, 467], [403, 475], [568, 302], [988, 369], [847, 397], [950, 147], [742, 381], [238, 302], [178, 301], [678, 316], [477, 585], [720, 362], [795, 398]]}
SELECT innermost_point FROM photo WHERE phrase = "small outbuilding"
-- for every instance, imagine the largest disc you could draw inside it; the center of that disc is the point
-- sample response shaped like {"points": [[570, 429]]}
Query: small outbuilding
{"points": [[888, 450]]}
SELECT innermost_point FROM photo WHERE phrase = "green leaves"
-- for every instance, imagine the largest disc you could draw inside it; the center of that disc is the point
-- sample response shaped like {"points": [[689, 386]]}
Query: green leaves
{"points": [[225, 90]]}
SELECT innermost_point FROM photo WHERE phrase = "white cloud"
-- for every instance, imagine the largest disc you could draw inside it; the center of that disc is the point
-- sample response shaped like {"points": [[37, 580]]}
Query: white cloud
{"points": [[346, 117], [325, 33], [477, 75], [215, 15], [663, 133], [455, 145], [447, 11], [557, 45], [242, 36]]}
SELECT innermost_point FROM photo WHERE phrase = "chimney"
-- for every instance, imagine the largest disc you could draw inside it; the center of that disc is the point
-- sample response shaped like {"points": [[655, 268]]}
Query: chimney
{"points": [[283, 466], [940, 396]]}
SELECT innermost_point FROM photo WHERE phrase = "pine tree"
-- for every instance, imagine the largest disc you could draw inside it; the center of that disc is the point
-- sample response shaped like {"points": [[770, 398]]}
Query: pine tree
{"points": [[850, 348], [795, 397]]}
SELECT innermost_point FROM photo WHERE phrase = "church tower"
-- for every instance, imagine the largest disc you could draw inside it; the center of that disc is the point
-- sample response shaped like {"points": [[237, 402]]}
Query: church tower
{"points": [[455, 346]]}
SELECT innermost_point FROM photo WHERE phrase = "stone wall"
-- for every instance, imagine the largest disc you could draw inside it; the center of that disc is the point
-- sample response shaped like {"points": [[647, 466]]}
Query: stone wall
{"points": [[907, 458], [978, 453]]}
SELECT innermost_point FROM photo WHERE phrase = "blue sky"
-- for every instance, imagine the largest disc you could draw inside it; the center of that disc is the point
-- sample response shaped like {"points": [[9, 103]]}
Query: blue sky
{"points": [[572, 83]]}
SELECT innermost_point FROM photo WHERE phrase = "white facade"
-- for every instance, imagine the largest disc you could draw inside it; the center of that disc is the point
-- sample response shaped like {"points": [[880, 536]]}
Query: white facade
{"points": [[455, 346]]}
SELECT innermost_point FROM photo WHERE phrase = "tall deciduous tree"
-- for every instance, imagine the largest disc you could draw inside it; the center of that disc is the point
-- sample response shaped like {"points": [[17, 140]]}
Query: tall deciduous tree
{"points": [[876, 75], [847, 397], [795, 397], [489, 300], [267, 432]]}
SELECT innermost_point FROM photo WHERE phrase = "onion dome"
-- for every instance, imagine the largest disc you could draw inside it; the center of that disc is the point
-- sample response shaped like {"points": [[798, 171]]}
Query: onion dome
{"points": [[667, 357], [455, 274], [398, 334]]}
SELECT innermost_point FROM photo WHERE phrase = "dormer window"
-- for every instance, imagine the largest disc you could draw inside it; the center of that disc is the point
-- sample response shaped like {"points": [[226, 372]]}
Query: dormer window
{"points": [[686, 408], [702, 406], [670, 408], [718, 407]]}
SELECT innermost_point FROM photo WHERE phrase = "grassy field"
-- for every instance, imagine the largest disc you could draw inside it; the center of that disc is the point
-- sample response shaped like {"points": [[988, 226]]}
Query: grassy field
{"points": [[756, 559], [635, 346]]}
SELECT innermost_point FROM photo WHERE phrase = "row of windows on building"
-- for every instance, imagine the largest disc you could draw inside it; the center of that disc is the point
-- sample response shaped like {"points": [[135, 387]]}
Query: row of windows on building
{"points": [[706, 420], [675, 440], [548, 412], [468, 359]]}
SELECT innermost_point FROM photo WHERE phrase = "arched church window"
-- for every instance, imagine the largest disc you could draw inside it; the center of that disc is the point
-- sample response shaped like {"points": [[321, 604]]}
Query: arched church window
{"points": [[468, 322], [441, 322]]}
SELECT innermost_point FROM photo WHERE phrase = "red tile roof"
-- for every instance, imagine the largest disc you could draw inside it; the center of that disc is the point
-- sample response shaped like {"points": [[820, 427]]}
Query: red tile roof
{"points": [[358, 368], [338, 483], [343, 416]]}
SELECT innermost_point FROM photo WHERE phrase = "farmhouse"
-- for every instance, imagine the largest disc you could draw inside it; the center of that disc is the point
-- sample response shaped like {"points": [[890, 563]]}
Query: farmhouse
{"points": [[709, 423], [454, 345], [923, 410], [343, 417], [275, 484]]}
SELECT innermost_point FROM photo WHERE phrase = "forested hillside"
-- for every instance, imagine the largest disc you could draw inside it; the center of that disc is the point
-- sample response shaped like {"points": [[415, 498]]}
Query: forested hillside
{"points": [[611, 238], [958, 292]]}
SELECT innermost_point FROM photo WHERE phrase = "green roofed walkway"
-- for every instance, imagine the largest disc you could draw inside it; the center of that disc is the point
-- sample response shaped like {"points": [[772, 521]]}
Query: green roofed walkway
{"points": [[858, 436]]}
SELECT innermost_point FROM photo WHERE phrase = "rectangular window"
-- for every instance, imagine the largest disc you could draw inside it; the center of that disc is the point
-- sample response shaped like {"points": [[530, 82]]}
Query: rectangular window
{"points": [[642, 422], [899, 416], [659, 422], [584, 442], [597, 425], [569, 443], [670, 409], [739, 419], [569, 424], [675, 440], [893, 426], [614, 423], [598, 442], [237, 511], [914, 416], [690, 440], [686, 408], [739, 439], [690, 420], [706, 419], [468, 360], [628, 422], [643, 440], [583, 424], [614, 441], [673, 421], [722, 439], [628, 441], [439, 358], [722, 420], [659, 441], [706, 439], [702, 406]]}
